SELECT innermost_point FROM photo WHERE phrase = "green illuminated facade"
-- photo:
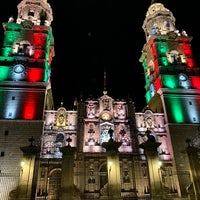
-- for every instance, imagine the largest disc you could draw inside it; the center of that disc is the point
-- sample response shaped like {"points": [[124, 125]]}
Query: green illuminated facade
{"points": [[170, 70], [173, 88]]}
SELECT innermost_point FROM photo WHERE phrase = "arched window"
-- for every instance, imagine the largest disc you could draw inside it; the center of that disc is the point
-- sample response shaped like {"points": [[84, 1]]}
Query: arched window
{"points": [[155, 29]]}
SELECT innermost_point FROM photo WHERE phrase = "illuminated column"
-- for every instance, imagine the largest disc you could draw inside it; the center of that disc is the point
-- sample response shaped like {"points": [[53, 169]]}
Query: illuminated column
{"points": [[150, 149], [67, 179], [26, 180], [113, 167], [195, 176]]}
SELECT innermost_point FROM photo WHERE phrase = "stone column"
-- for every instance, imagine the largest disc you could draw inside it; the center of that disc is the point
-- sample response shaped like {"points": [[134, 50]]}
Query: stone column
{"points": [[24, 190], [113, 168], [150, 150], [68, 191]]}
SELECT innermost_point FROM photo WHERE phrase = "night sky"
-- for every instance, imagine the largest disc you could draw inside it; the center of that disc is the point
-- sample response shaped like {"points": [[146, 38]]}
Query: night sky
{"points": [[93, 36]]}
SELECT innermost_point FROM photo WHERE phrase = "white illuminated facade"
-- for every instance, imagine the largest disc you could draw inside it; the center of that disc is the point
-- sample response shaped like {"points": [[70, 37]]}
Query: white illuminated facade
{"points": [[60, 126]]}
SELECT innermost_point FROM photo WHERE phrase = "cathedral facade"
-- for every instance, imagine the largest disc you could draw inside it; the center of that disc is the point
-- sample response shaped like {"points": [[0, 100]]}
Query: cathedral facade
{"points": [[101, 149]]}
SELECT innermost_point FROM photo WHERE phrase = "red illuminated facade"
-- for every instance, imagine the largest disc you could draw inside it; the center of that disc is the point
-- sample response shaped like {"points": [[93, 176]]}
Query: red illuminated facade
{"points": [[170, 71], [25, 63]]}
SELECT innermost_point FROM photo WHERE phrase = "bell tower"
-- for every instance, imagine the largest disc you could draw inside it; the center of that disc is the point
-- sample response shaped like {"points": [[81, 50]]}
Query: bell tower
{"points": [[172, 78], [172, 85], [25, 60], [25, 86]]}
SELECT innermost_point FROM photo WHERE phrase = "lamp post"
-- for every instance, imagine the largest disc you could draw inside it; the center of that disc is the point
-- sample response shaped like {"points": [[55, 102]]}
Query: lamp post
{"points": [[113, 167], [150, 149], [27, 171], [67, 178]]}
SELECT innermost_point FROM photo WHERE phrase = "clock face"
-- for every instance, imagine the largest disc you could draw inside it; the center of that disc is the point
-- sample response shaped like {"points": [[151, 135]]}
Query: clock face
{"points": [[184, 82], [182, 77], [19, 68], [106, 116], [18, 72]]}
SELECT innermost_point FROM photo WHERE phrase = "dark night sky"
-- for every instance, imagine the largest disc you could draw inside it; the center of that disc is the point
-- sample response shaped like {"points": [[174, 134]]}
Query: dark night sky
{"points": [[96, 35]]}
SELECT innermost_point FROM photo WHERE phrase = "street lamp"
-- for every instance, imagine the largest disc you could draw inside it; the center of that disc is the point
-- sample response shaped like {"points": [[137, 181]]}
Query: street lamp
{"points": [[159, 164]]}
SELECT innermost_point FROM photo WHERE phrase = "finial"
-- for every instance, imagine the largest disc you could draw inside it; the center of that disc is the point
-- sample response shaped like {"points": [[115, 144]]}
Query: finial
{"points": [[75, 102], [61, 103], [11, 19]]}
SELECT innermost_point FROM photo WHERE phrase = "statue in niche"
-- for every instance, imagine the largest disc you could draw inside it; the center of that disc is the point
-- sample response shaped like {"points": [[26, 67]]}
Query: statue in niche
{"points": [[61, 120], [91, 110], [126, 178], [91, 140], [120, 111], [105, 136], [91, 180], [106, 105]]}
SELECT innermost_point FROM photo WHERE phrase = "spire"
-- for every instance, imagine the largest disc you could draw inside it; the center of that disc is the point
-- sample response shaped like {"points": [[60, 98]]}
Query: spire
{"points": [[75, 104], [104, 83], [61, 103]]}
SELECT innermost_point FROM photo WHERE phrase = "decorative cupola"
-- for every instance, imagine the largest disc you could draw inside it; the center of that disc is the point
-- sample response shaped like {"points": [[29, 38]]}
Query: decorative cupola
{"points": [[159, 20], [38, 12]]}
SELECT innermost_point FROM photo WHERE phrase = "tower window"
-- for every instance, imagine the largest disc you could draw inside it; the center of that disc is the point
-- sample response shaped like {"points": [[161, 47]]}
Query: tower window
{"points": [[2, 154], [6, 132], [166, 25], [174, 57], [155, 29], [31, 13], [13, 97]]}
